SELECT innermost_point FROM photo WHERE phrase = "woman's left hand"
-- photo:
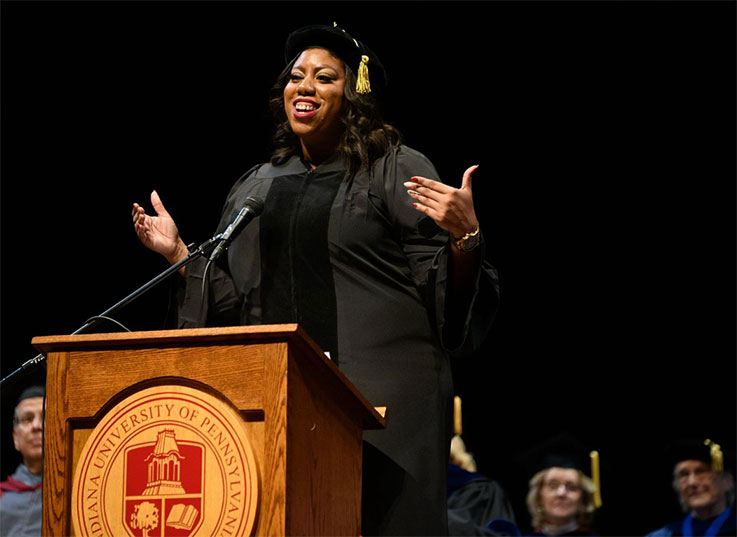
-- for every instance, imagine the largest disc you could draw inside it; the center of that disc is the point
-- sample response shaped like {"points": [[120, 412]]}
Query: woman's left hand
{"points": [[451, 208]]}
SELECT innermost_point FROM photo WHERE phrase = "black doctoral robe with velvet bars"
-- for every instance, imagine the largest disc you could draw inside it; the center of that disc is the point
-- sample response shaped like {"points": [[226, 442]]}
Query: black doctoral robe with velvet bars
{"points": [[364, 273]]}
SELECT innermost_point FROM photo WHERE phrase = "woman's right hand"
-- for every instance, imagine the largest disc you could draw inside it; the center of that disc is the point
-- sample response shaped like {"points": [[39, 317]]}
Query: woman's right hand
{"points": [[159, 233]]}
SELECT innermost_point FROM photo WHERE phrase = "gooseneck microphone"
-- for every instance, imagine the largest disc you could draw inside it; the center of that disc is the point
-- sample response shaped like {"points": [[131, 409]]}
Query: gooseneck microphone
{"points": [[252, 207]]}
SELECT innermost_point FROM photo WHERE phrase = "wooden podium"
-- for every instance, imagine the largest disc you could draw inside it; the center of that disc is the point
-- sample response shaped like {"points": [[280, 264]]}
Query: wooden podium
{"points": [[259, 404]]}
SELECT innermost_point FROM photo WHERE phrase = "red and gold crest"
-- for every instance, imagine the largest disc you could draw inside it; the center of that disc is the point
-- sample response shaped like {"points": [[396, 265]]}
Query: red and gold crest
{"points": [[168, 461]]}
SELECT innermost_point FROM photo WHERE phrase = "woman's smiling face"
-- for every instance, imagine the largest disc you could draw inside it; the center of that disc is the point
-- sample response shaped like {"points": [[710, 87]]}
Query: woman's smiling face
{"points": [[313, 98], [561, 495]]}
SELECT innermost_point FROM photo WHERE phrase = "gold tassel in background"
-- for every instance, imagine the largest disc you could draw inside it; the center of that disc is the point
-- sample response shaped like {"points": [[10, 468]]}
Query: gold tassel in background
{"points": [[717, 457], [596, 478], [457, 419]]}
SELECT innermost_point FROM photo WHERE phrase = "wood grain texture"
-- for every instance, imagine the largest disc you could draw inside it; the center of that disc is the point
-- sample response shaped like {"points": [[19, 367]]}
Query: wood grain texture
{"points": [[324, 446], [290, 333], [273, 503], [303, 418], [100, 378], [57, 449]]}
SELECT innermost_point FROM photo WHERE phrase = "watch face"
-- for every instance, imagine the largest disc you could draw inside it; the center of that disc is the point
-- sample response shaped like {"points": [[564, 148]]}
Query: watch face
{"points": [[470, 243]]}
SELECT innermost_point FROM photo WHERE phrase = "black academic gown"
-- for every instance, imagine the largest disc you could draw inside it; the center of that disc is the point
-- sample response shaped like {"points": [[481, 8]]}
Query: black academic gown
{"points": [[718, 525], [365, 274], [477, 505]]}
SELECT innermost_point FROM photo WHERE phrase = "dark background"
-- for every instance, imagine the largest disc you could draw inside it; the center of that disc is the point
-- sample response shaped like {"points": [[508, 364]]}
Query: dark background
{"points": [[605, 133]]}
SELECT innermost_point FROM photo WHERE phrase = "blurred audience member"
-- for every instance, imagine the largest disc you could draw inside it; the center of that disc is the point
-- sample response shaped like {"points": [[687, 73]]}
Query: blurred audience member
{"points": [[562, 499], [20, 494], [703, 479], [477, 505]]}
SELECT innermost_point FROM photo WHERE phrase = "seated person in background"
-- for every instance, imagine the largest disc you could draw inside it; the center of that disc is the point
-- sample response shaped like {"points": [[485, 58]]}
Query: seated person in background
{"points": [[703, 479], [477, 505], [20, 494], [562, 499]]}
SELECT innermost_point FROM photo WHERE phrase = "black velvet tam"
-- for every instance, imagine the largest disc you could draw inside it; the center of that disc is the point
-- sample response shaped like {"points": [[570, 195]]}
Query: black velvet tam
{"points": [[341, 44]]}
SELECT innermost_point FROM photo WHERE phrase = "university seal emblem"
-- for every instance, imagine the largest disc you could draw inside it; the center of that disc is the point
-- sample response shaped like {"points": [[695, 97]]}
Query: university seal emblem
{"points": [[168, 461]]}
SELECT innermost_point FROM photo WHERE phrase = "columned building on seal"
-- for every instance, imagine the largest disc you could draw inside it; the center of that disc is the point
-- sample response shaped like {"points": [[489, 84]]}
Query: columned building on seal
{"points": [[164, 466]]}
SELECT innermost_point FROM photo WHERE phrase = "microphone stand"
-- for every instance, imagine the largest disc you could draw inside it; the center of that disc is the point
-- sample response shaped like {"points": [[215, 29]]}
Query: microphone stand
{"points": [[202, 250]]}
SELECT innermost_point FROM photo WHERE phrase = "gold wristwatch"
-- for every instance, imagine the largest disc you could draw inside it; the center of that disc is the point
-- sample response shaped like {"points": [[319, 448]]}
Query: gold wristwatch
{"points": [[470, 240]]}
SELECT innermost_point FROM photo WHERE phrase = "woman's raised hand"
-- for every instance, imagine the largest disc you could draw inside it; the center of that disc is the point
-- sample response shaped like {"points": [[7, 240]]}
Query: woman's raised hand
{"points": [[159, 233], [451, 208]]}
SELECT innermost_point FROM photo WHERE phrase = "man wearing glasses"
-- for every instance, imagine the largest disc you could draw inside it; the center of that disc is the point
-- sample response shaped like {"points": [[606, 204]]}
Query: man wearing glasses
{"points": [[20, 494], [704, 483]]}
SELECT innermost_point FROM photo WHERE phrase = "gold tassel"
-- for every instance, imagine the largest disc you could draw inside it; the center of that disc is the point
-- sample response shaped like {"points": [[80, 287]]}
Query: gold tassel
{"points": [[362, 83], [457, 420], [596, 478], [717, 457]]}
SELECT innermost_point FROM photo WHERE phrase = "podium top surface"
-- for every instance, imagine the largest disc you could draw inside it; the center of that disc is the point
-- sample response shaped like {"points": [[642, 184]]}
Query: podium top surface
{"points": [[233, 334], [292, 334]]}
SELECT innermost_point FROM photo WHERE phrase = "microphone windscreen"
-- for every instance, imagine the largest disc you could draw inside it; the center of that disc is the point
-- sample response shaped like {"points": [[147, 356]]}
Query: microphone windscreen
{"points": [[255, 204]]}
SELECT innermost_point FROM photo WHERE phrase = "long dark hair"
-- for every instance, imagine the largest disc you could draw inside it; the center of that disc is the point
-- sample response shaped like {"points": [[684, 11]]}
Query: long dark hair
{"points": [[366, 135]]}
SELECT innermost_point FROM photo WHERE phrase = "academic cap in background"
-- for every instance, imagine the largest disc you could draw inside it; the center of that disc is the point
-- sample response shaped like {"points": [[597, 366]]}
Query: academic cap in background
{"points": [[353, 52], [704, 450], [564, 451], [31, 391]]}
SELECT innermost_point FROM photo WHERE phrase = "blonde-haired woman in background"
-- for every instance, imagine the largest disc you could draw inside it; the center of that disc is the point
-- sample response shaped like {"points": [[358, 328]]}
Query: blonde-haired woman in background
{"points": [[562, 499], [561, 502]]}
